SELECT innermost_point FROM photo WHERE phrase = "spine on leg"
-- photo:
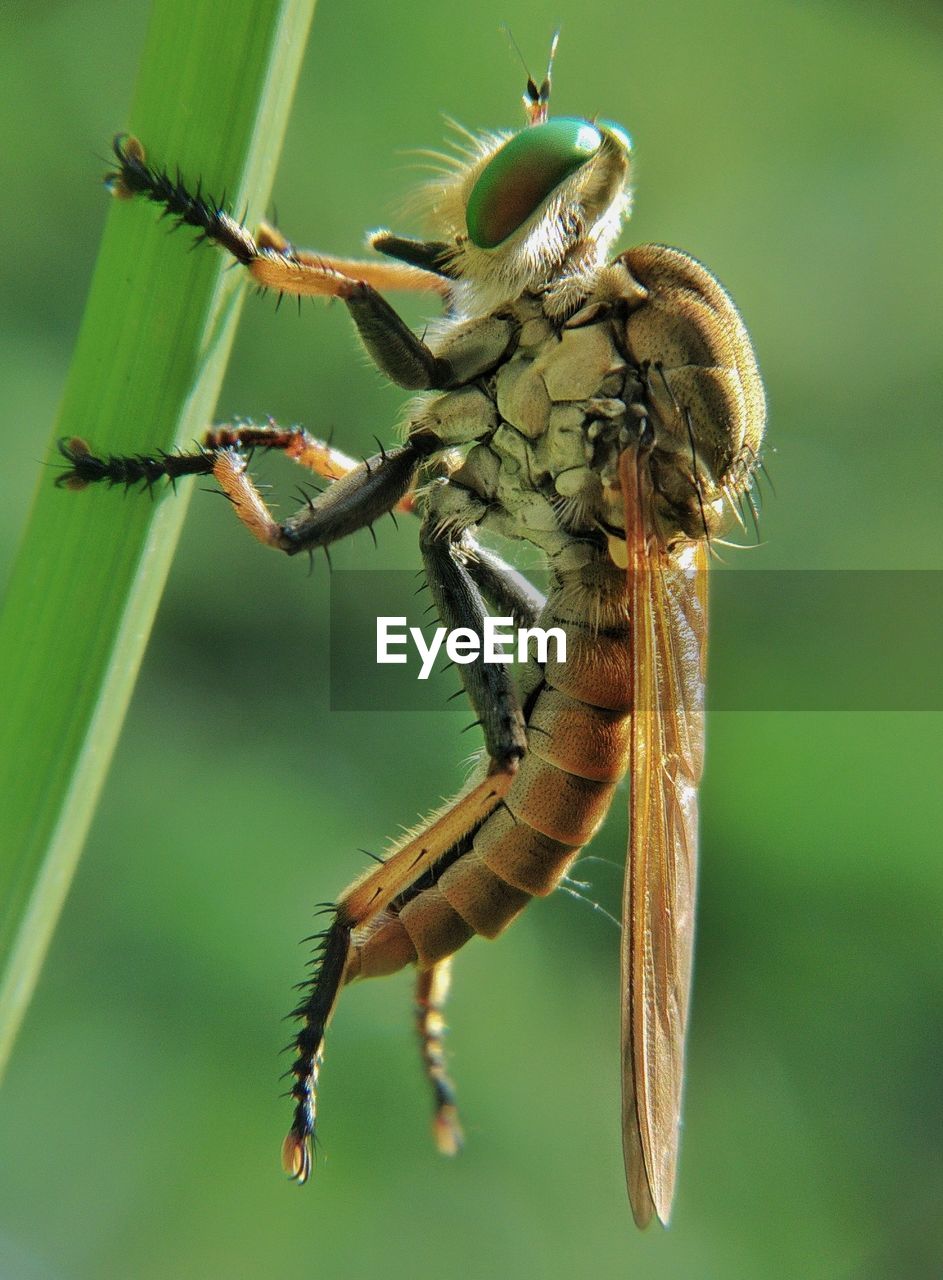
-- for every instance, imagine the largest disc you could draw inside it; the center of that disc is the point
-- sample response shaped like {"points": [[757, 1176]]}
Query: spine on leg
{"points": [[135, 177]]}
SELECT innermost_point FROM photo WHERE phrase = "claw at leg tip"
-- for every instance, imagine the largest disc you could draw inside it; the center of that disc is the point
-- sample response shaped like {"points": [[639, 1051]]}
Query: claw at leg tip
{"points": [[449, 1138], [296, 1157]]}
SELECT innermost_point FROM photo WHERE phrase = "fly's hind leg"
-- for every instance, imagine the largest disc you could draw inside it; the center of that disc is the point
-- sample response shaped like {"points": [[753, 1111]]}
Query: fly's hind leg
{"points": [[451, 510], [432, 989], [503, 585], [365, 914], [367, 938], [316, 1010]]}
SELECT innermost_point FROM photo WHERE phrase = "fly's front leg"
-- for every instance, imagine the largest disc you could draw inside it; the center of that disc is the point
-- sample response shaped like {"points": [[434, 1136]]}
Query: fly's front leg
{"points": [[274, 264], [460, 604], [432, 989], [424, 265]]}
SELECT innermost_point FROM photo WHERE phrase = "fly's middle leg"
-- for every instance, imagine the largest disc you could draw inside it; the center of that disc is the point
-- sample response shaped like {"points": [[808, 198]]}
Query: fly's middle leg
{"points": [[358, 496], [295, 443], [353, 502]]}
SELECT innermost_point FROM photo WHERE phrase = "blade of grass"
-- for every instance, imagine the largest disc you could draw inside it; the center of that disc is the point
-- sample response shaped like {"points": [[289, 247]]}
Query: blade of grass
{"points": [[212, 98]]}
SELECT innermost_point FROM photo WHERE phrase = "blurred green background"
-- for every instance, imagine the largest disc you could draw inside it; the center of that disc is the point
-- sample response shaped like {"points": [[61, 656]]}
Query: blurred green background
{"points": [[796, 149]]}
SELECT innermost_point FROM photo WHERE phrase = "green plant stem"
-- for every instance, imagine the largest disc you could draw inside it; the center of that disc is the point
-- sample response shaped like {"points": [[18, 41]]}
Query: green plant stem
{"points": [[213, 96]]}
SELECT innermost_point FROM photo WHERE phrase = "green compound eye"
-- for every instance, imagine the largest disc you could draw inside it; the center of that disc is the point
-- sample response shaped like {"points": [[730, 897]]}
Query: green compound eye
{"points": [[521, 175]]}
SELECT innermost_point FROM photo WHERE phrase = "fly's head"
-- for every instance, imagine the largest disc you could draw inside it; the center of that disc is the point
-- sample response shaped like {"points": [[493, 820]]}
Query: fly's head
{"points": [[512, 213], [536, 205]]}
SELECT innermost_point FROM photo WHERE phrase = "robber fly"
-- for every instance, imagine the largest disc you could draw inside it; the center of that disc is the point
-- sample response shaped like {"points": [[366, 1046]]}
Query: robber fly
{"points": [[611, 414]]}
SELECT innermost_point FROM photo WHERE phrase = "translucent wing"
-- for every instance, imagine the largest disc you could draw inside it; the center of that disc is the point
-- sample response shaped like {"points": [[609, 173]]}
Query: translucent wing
{"points": [[668, 610]]}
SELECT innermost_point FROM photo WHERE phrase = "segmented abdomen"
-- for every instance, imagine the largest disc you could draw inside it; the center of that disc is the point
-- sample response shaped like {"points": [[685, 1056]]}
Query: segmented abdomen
{"points": [[578, 733]]}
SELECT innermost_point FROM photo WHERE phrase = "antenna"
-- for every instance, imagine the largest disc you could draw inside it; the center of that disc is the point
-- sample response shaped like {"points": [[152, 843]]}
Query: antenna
{"points": [[536, 101], [545, 87]]}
